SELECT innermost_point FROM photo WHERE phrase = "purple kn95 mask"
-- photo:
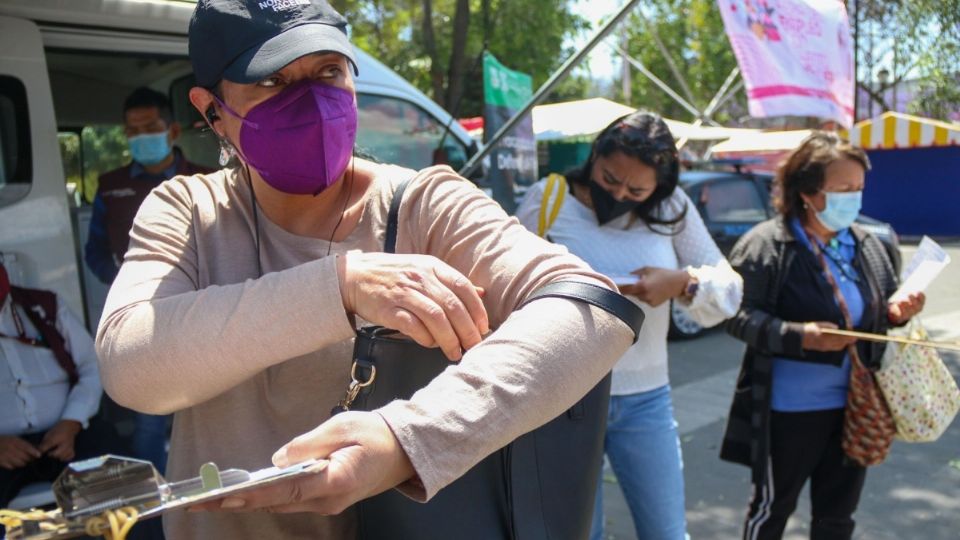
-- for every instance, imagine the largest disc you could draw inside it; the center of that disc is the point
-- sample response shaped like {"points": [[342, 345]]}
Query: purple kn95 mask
{"points": [[300, 140]]}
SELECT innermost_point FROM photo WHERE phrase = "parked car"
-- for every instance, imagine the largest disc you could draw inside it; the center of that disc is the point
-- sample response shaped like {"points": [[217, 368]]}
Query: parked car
{"points": [[732, 202]]}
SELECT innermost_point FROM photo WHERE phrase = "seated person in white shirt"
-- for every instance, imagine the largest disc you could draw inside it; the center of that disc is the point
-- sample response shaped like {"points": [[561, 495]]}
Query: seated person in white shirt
{"points": [[49, 389]]}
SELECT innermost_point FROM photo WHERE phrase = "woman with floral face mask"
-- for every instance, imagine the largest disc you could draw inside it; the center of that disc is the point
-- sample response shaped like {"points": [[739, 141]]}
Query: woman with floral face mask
{"points": [[808, 269], [236, 304], [624, 214]]}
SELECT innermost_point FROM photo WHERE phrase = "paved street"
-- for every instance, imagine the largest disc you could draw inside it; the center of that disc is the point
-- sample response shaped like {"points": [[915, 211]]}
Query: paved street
{"points": [[914, 494]]}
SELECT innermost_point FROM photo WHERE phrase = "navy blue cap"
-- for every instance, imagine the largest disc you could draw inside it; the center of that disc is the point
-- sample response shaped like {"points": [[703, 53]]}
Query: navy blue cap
{"points": [[244, 41]]}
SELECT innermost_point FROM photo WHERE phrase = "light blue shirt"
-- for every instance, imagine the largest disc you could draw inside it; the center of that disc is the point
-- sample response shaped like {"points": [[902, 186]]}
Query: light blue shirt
{"points": [[806, 386]]}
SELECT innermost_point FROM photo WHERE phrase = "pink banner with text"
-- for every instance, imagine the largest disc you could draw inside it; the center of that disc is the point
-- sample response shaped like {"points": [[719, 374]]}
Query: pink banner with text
{"points": [[796, 56]]}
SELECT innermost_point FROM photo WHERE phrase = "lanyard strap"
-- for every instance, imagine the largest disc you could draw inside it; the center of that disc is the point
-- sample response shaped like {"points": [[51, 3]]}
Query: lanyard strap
{"points": [[848, 320], [21, 332]]}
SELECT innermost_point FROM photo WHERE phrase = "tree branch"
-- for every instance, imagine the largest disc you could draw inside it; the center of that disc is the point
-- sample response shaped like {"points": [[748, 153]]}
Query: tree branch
{"points": [[875, 96], [455, 72], [430, 46]]}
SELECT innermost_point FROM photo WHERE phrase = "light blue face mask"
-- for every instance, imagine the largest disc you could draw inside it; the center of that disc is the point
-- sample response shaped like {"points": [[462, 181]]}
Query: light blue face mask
{"points": [[149, 149], [841, 210]]}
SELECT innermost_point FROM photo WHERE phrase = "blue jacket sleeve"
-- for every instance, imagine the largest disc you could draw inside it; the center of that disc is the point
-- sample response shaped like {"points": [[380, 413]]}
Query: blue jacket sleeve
{"points": [[97, 251]]}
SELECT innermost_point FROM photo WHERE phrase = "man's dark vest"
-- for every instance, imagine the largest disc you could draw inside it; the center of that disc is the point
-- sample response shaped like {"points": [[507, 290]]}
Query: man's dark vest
{"points": [[122, 196]]}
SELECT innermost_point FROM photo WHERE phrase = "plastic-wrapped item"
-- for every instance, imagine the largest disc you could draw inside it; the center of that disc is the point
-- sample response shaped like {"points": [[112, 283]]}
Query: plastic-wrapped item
{"points": [[105, 495]]}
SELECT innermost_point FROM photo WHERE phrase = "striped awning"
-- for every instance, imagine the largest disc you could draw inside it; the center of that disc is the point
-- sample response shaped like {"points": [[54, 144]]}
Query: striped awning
{"points": [[896, 130]]}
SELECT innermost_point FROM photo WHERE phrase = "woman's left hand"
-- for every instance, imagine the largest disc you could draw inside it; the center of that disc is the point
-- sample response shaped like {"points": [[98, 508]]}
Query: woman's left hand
{"points": [[364, 459], [903, 310], [657, 285]]}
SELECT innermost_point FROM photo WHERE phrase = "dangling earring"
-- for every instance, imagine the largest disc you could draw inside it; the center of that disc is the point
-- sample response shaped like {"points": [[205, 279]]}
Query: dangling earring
{"points": [[225, 156], [227, 152]]}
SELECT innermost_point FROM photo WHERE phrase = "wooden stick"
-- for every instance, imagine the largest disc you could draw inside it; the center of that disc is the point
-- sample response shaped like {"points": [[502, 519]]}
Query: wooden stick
{"points": [[946, 345]]}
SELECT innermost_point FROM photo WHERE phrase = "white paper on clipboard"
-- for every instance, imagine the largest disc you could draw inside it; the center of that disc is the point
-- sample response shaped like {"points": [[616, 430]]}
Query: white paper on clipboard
{"points": [[925, 265]]}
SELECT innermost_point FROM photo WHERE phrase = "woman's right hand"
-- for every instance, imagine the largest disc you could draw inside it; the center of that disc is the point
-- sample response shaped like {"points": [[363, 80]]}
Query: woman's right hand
{"points": [[815, 340], [418, 295]]}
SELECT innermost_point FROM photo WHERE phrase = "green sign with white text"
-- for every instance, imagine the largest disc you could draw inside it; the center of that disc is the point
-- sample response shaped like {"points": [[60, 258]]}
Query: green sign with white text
{"points": [[514, 160]]}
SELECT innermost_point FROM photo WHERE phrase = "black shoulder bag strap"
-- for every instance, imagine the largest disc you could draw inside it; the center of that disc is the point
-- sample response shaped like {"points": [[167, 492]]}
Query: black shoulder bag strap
{"points": [[595, 295], [393, 217]]}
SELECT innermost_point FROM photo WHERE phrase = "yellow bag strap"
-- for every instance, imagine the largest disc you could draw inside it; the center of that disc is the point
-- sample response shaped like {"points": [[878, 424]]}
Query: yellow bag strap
{"points": [[553, 195]]}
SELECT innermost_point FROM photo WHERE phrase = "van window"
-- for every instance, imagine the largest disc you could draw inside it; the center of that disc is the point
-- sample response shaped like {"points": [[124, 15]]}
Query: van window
{"points": [[87, 153], [16, 172], [398, 132], [69, 143]]}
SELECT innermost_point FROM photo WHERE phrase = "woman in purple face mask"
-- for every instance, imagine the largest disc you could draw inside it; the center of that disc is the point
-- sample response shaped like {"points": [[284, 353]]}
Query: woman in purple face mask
{"points": [[236, 305]]}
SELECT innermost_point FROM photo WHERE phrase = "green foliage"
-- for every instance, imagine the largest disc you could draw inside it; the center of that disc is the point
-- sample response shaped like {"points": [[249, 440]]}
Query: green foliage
{"points": [[575, 86], [104, 148], [383, 28], [526, 35], [913, 40], [692, 33]]}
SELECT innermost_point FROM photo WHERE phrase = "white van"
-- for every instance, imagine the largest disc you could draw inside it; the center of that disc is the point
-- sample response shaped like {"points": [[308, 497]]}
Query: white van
{"points": [[66, 67]]}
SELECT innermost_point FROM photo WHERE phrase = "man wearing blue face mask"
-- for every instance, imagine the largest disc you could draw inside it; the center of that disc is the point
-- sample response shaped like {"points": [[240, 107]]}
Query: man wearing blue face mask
{"points": [[151, 131]]}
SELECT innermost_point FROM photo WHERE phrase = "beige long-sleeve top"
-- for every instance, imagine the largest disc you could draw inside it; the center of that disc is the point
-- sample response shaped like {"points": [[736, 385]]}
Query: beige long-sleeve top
{"points": [[247, 364]]}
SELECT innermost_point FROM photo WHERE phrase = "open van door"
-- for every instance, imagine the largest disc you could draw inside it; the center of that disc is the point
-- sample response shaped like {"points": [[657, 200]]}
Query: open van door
{"points": [[36, 236]]}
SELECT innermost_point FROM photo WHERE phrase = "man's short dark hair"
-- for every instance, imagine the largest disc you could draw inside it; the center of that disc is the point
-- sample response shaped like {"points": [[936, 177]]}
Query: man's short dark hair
{"points": [[147, 97]]}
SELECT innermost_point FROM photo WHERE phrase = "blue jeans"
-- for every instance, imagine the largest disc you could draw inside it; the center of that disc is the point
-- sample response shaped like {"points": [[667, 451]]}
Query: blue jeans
{"points": [[150, 440], [644, 451]]}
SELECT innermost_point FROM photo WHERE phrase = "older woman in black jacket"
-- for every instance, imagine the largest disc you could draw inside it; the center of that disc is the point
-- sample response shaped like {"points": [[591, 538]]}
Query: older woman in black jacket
{"points": [[808, 269]]}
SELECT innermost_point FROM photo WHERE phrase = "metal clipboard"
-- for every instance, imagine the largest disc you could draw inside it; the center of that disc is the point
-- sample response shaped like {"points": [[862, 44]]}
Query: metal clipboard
{"points": [[91, 487]]}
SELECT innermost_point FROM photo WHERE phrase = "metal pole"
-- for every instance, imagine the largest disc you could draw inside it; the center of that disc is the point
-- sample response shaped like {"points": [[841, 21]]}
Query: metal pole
{"points": [[656, 80], [719, 98], [856, 57], [721, 94], [626, 82], [730, 93], [546, 88], [670, 63]]}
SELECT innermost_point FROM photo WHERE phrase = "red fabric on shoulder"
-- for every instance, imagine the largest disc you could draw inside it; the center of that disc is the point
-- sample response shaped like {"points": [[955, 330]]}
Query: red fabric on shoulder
{"points": [[4, 284]]}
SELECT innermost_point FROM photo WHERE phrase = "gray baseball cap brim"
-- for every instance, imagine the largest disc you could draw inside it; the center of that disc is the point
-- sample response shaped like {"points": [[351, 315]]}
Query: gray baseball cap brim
{"points": [[261, 61]]}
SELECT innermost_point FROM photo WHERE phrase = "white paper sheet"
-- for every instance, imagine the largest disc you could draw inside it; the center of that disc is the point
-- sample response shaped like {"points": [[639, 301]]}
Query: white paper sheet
{"points": [[926, 264]]}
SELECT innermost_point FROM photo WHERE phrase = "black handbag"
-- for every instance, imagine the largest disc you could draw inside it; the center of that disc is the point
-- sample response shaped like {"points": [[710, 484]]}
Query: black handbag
{"points": [[540, 486]]}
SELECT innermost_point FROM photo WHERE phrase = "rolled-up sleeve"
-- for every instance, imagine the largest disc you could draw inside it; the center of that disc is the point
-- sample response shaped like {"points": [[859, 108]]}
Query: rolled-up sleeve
{"points": [[720, 288]]}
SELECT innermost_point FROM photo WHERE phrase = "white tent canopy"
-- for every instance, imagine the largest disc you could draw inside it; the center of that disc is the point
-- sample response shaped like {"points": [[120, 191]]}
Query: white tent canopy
{"points": [[763, 141], [587, 117]]}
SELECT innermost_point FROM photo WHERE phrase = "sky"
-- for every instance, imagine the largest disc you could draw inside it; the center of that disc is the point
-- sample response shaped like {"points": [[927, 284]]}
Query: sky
{"points": [[602, 65]]}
